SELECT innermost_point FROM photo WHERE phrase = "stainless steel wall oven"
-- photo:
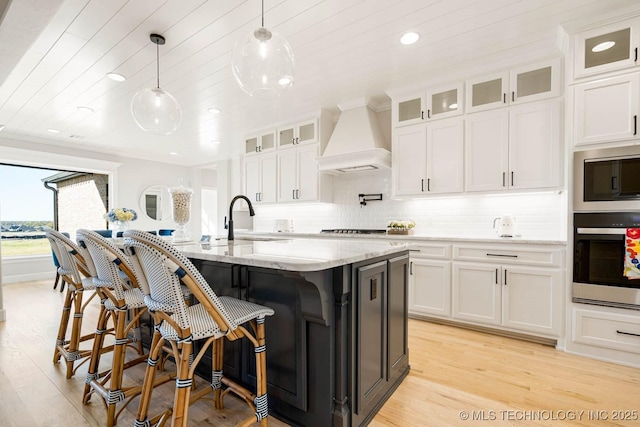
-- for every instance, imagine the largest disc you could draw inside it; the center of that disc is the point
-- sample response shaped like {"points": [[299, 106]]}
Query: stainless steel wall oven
{"points": [[599, 257]]}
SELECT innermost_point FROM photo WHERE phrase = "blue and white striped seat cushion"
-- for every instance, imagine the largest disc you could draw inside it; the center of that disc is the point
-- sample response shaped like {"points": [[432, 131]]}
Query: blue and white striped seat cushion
{"points": [[203, 326]]}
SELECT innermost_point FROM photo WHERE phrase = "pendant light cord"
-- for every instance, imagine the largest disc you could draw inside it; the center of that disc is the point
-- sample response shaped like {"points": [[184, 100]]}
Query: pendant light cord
{"points": [[262, 13], [158, 63]]}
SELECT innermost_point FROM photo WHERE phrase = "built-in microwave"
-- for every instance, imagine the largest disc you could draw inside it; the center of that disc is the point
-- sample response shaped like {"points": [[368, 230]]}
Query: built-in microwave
{"points": [[607, 179]]}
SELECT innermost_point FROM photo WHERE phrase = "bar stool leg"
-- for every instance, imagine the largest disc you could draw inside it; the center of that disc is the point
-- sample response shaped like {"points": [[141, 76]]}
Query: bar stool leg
{"points": [[149, 379], [217, 360], [261, 403], [96, 352], [183, 385], [64, 323]]}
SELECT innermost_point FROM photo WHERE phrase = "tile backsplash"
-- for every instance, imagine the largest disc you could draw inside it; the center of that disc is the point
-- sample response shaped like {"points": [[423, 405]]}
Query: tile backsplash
{"points": [[538, 215]]}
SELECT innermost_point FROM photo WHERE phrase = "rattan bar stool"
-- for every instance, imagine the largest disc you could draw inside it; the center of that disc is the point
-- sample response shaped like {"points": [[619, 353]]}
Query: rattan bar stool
{"points": [[76, 274], [211, 320], [122, 298]]}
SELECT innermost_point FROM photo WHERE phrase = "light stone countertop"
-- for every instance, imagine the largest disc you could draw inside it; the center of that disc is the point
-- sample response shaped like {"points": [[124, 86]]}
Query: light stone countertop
{"points": [[412, 238], [299, 254]]}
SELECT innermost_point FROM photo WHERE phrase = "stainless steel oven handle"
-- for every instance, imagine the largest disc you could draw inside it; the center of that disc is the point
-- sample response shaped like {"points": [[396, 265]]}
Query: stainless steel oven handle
{"points": [[601, 231]]}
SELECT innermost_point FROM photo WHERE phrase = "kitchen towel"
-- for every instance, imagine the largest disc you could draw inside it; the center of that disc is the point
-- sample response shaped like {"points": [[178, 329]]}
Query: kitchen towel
{"points": [[631, 252]]}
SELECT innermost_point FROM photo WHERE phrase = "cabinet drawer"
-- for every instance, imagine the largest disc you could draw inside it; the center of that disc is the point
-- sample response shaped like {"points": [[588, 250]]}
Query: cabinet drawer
{"points": [[433, 251], [542, 257], [608, 330]]}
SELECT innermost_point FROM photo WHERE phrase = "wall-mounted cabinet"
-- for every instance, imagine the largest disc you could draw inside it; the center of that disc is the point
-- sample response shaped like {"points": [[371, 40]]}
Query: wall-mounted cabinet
{"points": [[428, 159], [437, 103], [298, 177], [263, 142], [261, 178], [300, 133], [514, 148], [606, 110], [523, 84], [608, 48]]}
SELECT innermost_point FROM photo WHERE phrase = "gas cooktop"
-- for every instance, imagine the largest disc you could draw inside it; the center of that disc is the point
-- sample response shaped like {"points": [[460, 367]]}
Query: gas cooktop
{"points": [[353, 231]]}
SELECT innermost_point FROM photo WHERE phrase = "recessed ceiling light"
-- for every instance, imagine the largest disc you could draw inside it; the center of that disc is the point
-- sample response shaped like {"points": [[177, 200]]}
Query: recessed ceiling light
{"points": [[453, 106], [285, 81], [116, 77], [85, 109], [603, 46], [173, 153], [53, 130], [1, 127], [214, 110], [409, 38]]}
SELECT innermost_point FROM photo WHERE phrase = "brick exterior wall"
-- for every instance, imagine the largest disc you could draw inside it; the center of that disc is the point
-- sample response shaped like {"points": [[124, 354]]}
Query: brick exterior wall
{"points": [[82, 201]]}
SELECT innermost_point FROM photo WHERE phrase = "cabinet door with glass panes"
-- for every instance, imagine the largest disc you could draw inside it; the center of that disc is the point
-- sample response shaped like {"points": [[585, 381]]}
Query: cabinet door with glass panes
{"points": [[607, 48], [531, 82], [262, 142], [300, 133], [408, 110], [446, 101]]}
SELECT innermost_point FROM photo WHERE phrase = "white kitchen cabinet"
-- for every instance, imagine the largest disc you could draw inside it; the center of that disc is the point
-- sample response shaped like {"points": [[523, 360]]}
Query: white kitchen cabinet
{"points": [[445, 101], [261, 177], [408, 110], [430, 287], [428, 159], [437, 103], [305, 132], [262, 142], [523, 84], [476, 293], [430, 280], [532, 299], [607, 328], [607, 48], [516, 288], [298, 176], [514, 148], [606, 110]]}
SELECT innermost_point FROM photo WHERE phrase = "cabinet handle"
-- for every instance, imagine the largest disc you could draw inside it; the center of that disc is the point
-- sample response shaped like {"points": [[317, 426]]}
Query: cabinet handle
{"points": [[512, 178], [257, 198], [422, 184], [513, 96], [505, 277], [298, 194], [502, 255], [428, 184], [635, 125], [293, 194], [297, 140], [504, 98], [496, 276], [421, 115], [428, 114], [503, 178], [636, 58], [627, 333], [411, 268]]}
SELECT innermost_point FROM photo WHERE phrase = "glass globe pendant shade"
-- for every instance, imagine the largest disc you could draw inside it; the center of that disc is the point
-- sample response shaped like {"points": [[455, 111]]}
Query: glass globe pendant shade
{"points": [[156, 111], [262, 63]]}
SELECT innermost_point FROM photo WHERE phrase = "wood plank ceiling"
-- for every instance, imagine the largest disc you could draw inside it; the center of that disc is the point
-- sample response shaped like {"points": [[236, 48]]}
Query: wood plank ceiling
{"points": [[56, 54]]}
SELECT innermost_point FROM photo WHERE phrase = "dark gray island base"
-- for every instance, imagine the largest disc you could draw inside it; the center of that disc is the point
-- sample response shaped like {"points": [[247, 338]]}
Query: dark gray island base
{"points": [[337, 344]]}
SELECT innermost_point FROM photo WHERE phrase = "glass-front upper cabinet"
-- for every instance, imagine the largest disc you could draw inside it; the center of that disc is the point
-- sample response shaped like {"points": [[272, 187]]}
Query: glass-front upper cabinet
{"points": [[408, 110], [445, 101], [606, 48], [300, 133], [265, 141], [531, 82]]}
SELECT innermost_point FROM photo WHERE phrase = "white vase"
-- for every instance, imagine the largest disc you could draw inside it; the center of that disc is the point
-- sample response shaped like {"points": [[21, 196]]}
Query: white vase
{"points": [[120, 227]]}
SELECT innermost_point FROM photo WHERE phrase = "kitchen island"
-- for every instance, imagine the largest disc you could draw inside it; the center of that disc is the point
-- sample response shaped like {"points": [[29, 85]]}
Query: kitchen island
{"points": [[337, 344]]}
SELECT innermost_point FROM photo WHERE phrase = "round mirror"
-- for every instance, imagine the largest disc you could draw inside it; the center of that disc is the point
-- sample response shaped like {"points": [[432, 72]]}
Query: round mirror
{"points": [[155, 202]]}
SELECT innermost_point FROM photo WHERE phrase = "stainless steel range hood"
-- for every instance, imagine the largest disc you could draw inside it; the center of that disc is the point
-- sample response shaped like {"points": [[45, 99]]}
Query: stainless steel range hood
{"points": [[357, 143]]}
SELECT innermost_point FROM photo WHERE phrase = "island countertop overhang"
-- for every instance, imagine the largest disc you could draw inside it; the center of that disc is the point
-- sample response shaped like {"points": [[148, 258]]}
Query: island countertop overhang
{"points": [[292, 254]]}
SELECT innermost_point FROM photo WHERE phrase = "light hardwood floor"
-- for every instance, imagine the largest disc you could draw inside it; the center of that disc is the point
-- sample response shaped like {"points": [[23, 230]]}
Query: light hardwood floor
{"points": [[503, 381]]}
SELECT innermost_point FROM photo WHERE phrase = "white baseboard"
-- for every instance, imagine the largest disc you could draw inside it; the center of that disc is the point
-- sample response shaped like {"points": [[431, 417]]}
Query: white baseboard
{"points": [[28, 277]]}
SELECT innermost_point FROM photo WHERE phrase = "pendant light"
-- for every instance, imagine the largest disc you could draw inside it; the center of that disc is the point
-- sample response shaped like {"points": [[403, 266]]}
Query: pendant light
{"points": [[262, 62], [153, 109]]}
